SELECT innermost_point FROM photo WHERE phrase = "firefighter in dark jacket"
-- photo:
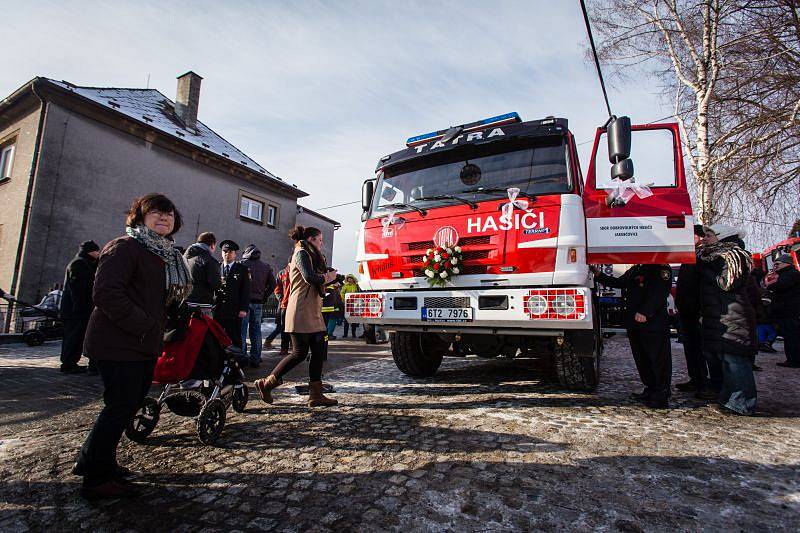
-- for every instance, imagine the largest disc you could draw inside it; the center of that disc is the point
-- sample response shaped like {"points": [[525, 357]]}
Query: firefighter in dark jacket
{"points": [[645, 289], [233, 296], [205, 270], [687, 302], [77, 305], [784, 290]]}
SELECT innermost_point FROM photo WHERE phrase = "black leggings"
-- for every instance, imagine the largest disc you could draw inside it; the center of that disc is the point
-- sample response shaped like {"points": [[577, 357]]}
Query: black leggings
{"points": [[125, 386], [301, 343]]}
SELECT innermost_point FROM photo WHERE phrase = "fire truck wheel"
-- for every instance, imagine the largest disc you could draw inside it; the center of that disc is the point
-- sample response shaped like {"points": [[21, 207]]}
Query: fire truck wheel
{"points": [[577, 359], [416, 354], [576, 372]]}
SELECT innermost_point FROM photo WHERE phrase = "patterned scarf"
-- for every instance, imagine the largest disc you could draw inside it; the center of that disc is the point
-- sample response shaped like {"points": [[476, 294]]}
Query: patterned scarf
{"points": [[179, 281], [737, 261]]}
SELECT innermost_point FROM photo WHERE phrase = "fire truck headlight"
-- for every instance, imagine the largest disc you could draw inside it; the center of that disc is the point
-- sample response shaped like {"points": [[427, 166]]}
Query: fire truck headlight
{"points": [[536, 305], [374, 306], [359, 306], [564, 304]]}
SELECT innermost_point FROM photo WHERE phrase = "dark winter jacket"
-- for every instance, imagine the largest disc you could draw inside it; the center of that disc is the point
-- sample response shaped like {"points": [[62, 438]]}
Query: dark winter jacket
{"points": [[728, 314], [785, 294], [206, 277], [687, 292], [130, 298], [262, 280], [76, 300], [233, 296], [332, 303]]}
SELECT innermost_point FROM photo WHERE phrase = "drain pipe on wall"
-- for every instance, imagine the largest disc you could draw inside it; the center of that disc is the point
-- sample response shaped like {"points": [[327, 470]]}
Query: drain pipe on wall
{"points": [[28, 200]]}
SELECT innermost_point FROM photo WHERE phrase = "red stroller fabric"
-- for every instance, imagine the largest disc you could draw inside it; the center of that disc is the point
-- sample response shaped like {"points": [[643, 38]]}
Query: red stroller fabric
{"points": [[178, 358]]}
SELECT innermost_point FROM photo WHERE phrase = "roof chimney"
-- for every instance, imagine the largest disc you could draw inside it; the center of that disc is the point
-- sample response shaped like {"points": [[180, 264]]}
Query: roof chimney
{"points": [[188, 99]]}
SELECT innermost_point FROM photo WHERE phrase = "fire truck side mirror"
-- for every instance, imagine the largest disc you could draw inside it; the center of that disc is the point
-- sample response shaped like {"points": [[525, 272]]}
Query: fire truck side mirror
{"points": [[622, 170], [619, 148], [619, 139], [367, 192]]}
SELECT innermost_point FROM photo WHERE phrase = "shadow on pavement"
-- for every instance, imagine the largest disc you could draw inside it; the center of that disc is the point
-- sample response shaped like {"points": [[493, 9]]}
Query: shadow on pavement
{"points": [[624, 493]]}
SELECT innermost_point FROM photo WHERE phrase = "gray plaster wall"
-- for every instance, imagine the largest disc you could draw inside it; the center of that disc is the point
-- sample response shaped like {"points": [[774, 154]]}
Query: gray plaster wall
{"points": [[22, 129], [90, 173]]}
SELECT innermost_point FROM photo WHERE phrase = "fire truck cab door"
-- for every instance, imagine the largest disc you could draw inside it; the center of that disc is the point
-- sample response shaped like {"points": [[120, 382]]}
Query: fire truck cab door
{"points": [[654, 226]]}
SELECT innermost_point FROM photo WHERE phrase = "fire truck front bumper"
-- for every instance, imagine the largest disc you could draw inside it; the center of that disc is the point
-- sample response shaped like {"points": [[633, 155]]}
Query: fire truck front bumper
{"points": [[522, 311]]}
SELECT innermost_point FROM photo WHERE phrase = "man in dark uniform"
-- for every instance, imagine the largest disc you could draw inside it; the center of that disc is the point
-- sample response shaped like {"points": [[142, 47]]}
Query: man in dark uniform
{"points": [[687, 302], [233, 297], [77, 306], [645, 289]]}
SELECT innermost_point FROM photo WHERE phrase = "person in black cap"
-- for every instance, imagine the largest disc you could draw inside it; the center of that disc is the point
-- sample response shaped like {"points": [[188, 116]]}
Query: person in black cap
{"points": [[687, 302], [233, 297], [784, 289], [77, 305], [645, 289]]}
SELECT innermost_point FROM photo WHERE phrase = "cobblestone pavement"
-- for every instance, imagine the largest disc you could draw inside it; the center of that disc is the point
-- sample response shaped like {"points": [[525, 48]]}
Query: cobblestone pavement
{"points": [[487, 445]]}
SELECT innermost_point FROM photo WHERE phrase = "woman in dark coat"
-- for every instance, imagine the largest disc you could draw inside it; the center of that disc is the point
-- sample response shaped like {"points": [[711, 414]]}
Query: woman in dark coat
{"points": [[729, 322], [138, 276]]}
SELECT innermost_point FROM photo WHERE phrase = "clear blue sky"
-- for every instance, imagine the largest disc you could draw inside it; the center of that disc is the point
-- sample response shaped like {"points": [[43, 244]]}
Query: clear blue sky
{"points": [[316, 92]]}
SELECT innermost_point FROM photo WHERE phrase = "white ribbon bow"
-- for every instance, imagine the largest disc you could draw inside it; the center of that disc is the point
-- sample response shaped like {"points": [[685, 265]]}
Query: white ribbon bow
{"points": [[508, 209], [391, 220], [621, 191]]}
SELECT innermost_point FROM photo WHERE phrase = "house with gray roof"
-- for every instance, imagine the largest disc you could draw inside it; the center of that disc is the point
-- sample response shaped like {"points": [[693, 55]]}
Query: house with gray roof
{"points": [[73, 158]]}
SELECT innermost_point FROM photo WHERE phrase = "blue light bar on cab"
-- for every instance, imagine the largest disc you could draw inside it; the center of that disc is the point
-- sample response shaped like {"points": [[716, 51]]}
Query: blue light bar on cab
{"points": [[508, 118]]}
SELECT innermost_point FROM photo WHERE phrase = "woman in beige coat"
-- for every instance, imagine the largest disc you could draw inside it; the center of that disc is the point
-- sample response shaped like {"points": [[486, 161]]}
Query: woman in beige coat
{"points": [[308, 275]]}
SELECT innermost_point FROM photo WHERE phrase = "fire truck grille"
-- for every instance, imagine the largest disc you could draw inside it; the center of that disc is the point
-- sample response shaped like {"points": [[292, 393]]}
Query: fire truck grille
{"points": [[465, 270], [447, 301], [466, 256], [466, 241]]}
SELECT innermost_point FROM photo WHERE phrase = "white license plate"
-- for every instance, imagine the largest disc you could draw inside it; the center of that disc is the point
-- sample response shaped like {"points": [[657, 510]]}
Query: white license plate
{"points": [[447, 314]]}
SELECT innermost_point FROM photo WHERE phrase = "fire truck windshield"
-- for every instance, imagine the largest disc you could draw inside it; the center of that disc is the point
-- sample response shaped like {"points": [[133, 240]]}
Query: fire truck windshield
{"points": [[537, 167]]}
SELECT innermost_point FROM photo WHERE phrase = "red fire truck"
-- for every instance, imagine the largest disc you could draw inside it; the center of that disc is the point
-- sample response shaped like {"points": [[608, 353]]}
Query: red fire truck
{"points": [[506, 201], [789, 246]]}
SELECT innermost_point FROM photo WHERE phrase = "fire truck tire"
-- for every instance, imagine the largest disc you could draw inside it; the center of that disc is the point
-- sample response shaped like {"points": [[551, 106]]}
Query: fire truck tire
{"points": [[576, 372], [416, 355], [577, 359]]}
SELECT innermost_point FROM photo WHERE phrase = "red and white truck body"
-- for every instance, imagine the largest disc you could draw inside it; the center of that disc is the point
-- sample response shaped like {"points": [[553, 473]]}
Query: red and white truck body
{"points": [[525, 257]]}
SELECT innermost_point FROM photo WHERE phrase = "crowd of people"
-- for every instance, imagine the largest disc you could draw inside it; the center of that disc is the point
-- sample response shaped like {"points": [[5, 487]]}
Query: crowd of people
{"points": [[729, 310], [116, 304]]}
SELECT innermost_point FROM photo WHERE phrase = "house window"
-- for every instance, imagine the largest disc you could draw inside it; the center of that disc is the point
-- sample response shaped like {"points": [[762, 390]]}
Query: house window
{"points": [[6, 161], [272, 215], [251, 209]]}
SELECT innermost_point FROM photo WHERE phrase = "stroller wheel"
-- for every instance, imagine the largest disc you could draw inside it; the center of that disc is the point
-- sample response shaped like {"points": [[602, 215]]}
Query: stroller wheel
{"points": [[240, 396], [144, 421], [33, 337], [211, 421]]}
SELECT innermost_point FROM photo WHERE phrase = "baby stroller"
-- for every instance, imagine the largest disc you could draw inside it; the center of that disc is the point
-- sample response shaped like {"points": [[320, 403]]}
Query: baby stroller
{"points": [[201, 376], [41, 322]]}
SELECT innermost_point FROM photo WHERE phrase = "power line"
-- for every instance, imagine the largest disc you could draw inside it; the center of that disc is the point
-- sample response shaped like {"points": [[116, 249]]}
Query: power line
{"points": [[650, 122], [337, 205], [757, 221], [596, 59]]}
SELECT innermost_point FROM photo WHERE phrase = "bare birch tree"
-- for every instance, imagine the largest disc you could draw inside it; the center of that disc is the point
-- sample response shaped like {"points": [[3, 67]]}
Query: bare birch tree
{"points": [[731, 69]]}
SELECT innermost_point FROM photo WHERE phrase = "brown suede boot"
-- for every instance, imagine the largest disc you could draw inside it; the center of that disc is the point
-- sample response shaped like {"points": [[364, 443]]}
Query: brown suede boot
{"points": [[316, 398], [265, 386]]}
